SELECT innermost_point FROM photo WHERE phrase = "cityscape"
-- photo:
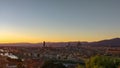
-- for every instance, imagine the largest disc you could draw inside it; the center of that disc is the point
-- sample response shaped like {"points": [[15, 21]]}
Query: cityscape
{"points": [[59, 33], [68, 55]]}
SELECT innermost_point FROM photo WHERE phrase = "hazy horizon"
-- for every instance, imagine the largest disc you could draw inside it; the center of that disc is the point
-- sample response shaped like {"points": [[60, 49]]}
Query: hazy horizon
{"points": [[58, 20]]}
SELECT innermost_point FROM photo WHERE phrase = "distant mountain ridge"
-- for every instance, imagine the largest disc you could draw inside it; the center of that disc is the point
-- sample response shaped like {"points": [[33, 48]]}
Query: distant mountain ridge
{"points": [[108, 42]]}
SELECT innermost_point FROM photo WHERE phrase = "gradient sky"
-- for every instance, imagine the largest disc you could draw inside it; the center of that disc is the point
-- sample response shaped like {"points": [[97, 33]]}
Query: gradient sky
{"points": [[58, 20]]}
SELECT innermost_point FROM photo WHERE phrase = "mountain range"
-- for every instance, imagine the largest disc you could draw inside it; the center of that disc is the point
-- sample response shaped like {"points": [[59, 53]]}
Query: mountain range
{"points": [[108, 42]]}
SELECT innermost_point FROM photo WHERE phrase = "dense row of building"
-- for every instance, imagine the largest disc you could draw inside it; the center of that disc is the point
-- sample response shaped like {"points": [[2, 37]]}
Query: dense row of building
{"points": [[34, 57]]}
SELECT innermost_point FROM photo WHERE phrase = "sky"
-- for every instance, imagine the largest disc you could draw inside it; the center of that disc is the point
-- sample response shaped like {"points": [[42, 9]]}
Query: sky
{"points": [[58, 20]]}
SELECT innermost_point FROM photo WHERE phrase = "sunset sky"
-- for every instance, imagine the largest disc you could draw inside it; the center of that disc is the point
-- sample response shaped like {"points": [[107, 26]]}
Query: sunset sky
{"points": [[58, 20]]}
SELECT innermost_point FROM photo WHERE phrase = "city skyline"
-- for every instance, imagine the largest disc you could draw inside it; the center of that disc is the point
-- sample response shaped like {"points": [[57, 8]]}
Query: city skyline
{"points": [[58, 20]]}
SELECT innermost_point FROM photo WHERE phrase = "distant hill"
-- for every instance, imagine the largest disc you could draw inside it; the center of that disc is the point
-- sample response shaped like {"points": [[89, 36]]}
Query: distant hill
{"points": [[108, 42]]}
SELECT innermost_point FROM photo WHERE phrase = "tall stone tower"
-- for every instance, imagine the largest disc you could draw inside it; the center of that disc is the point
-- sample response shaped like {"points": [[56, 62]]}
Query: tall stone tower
{"points": [[44, 45]]}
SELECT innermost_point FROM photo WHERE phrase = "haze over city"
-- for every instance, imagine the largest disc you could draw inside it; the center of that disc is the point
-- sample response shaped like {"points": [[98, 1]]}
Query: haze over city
{"points": [[58, 20]]}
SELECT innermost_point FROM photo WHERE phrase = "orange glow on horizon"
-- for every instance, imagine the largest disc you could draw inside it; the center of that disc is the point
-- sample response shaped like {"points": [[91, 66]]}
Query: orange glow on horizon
{"points": [[16, 37], [38, 40]]}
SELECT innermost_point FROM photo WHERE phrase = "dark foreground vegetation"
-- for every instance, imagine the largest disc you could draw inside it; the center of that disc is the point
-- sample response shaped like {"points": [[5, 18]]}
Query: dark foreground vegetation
{"points": [[103, 62], [93, 62]]}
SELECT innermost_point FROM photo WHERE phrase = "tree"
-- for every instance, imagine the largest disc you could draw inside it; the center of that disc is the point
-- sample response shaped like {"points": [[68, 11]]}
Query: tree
{"points": [[80, 66], [103, 62]]}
